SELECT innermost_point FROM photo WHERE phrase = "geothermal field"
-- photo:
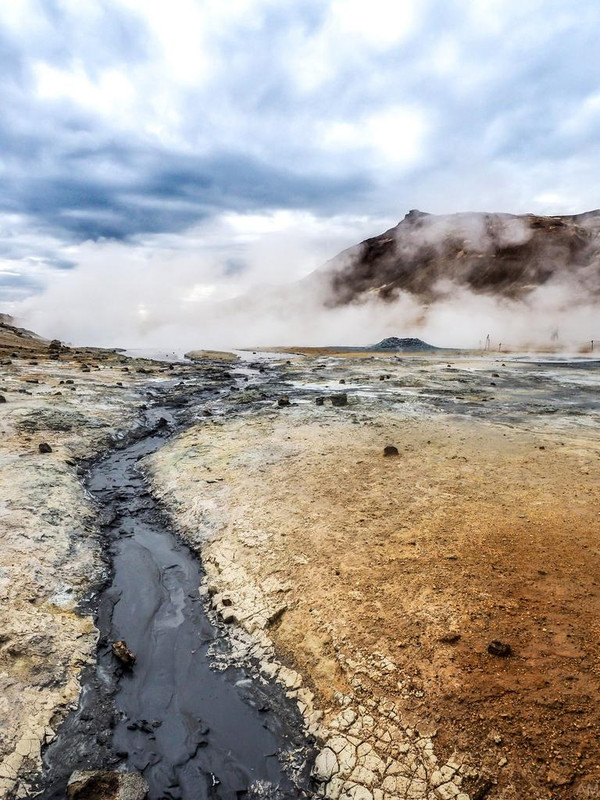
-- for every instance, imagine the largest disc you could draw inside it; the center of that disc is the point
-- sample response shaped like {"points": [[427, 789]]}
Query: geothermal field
{"points": [[354, 573]]}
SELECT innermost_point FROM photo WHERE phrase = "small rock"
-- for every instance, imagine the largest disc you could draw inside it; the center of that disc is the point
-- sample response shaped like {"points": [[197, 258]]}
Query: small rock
{"points": [[283, 401], [44, 447], [319, 401], [390, 450], [339, 399], [85, 785], [123, 653], [2, 398], [500, 649]]}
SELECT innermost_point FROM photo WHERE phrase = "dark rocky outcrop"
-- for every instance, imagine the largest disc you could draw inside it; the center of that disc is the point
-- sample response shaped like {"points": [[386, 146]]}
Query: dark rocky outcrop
{"points": [[406, 345], [507, 255]]}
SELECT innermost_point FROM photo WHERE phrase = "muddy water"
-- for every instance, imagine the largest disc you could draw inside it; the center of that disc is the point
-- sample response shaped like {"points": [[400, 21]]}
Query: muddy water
{"points": [[192, 731]]}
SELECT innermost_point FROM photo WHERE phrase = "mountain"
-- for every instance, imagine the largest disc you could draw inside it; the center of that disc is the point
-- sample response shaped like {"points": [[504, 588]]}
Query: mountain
{"points": [[499, 254]]}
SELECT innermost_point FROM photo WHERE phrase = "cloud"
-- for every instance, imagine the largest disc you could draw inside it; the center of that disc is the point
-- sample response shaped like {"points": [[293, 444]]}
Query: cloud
{"points": [[125, 120]]}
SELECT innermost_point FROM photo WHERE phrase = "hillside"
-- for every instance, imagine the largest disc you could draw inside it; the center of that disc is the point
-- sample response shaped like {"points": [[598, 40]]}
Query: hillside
{"points": [[499, 254]]}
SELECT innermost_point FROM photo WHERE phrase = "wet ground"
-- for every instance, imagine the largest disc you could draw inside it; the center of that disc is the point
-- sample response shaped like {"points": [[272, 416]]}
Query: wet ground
{"points": [[194, 731]]}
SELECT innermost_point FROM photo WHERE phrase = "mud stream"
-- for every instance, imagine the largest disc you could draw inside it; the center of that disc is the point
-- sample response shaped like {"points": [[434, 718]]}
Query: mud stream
{"points": [[193, 731]]}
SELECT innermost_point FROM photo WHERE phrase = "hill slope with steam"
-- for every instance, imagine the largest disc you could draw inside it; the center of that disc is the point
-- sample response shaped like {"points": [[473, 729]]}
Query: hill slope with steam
{"points": [[503, 255]]}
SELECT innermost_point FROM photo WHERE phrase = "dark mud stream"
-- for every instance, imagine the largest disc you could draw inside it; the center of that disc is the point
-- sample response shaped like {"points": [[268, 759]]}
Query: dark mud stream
{"points": [[193, 732]]}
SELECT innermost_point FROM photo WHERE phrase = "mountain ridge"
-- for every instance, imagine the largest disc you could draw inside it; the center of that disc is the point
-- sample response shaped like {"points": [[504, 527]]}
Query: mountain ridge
{"points": [[501, 254]]}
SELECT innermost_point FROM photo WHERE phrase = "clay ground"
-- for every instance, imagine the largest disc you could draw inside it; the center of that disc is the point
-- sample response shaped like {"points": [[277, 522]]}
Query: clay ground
{"points": [[396, 573]]}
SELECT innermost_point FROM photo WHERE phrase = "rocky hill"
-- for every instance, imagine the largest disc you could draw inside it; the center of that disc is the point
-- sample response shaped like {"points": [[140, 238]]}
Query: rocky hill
{"points": [[404, 345], [17, 339], [506, 255]]}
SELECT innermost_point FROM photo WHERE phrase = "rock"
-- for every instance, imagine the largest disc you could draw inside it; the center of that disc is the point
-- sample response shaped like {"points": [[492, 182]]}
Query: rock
{"points": [[342, 381], [44, 447], [390, 450], [54, 345], [123, 653], [339, 399], [283, 401], [319, 401], [500, 649], [96, 785], [2, 398]]}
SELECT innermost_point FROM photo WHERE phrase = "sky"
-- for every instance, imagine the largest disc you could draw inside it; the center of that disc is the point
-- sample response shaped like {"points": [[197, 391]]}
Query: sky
{"points": [[161, 156]]}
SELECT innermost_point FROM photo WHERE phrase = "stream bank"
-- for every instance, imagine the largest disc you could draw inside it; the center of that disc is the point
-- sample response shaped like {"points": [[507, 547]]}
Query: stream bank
{"points": [[194, 728]]}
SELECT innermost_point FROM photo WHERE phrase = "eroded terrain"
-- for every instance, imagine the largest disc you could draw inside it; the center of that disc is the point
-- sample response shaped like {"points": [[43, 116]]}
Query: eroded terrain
{"points": [[369, 586], [381, 581]]}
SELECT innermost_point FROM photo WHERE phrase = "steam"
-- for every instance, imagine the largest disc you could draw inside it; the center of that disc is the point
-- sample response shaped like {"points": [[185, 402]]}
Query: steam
{"points": [[262, 290]]}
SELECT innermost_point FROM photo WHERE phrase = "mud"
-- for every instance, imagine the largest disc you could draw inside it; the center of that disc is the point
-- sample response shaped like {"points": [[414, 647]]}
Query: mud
{"points": [[193, 731]]}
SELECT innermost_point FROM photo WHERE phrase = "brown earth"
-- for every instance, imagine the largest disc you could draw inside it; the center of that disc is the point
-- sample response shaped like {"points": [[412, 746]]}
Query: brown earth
{"points": [[476, 532]]}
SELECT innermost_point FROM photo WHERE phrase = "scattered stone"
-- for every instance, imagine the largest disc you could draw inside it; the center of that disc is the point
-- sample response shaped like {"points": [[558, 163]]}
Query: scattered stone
{"points": [[96, 785], [390, 450], [339, 399], [123, 653], [44, 447], [501, 649], [283, 401]]}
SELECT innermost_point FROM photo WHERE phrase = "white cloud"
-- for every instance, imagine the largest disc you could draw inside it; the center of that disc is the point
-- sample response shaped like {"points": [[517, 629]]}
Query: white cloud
{"points": [[379, 23], [395, 136], [111, 93]]}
